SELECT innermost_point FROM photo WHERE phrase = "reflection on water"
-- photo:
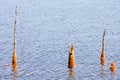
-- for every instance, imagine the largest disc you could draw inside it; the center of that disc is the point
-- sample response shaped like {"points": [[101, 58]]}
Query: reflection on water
{"points": [[113, 75], [102, 73], [71, 75], [47, 27], [15, 73], [107, 74]]}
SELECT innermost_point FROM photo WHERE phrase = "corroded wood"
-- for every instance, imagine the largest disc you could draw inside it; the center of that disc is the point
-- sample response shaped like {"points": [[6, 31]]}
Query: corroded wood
{"points": [[14, 58], [71, 60], [103, 51], [113, 67]]}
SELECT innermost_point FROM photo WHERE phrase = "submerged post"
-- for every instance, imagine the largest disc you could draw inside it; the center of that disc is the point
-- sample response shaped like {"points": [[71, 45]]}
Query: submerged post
{"points": [[103, 51], [113, 67], [71, 60], [14, 59]]}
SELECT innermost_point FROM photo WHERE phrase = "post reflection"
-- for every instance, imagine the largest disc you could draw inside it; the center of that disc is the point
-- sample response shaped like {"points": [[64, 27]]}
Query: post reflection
{"points": [[71, 75], [102, 73], [113, 74], [15, 73]]}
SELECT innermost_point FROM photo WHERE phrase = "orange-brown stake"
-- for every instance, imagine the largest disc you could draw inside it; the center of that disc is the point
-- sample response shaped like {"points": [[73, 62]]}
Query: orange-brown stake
{"points": [[103, 51], [103, 58], [14, 59], [71, 61], [112, 67]]}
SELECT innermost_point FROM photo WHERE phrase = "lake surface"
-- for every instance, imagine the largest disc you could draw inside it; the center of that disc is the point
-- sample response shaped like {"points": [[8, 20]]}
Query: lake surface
{"points": [[45, 30]]}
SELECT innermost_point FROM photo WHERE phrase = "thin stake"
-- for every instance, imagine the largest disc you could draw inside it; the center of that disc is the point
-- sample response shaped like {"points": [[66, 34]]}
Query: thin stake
{"points": [[14, 59], [103, 52], [103, 40]]}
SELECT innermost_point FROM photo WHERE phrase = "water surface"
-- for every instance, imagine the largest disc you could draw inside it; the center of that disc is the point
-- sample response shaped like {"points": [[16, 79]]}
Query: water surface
{"points": [[45, 30]]}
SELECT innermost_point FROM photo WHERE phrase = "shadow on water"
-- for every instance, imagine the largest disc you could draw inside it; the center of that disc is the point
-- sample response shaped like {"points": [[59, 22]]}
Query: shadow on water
{"points": [[15, 73], [71, 75]]}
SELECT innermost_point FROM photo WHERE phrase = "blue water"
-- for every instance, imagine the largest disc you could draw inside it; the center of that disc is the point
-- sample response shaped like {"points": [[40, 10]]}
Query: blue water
{"points": [[45, 30]]}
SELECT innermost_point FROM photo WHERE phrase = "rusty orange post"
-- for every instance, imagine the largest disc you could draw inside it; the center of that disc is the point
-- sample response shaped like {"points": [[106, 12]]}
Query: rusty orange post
{"points": [[14, 58], [71, 60], [113, 67], [103, 51], [103, 58]]}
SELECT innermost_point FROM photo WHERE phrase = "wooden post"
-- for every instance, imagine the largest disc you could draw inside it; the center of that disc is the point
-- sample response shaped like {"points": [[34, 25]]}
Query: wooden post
{"points": [[71, 60], [14, 59], [113, 67], [103, 51]]}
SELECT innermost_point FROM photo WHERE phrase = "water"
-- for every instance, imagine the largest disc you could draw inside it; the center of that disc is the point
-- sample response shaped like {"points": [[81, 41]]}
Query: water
{"points": [[45, 30]]}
